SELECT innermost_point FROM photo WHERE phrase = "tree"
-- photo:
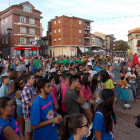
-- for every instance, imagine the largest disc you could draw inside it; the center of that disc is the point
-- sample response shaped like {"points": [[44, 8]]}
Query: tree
{"points": [[121, 45]]}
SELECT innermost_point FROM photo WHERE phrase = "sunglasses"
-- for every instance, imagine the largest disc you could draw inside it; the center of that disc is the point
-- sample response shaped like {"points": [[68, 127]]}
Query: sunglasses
{"points": [[87, 125]]}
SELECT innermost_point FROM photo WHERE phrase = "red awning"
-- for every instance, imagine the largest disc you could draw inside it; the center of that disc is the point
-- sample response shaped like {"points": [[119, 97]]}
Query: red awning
{"points": [[20, 48]]}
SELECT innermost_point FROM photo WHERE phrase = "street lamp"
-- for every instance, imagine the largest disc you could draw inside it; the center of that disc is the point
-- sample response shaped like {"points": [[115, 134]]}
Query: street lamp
{"points": [[9, 31]]}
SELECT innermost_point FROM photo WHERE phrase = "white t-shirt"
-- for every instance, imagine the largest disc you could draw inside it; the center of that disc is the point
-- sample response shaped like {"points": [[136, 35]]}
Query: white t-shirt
{"points": [[132, 77], [111, 74], [92, 72], [122, 59], [116, 59], [26, 61]]}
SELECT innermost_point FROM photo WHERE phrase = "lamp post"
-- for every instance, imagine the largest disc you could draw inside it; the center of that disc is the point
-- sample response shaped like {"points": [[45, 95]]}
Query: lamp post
{"points": [[9, 31]]}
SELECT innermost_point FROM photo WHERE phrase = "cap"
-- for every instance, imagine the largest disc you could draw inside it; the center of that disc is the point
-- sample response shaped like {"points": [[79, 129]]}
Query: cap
{"points": [[105, 94]]}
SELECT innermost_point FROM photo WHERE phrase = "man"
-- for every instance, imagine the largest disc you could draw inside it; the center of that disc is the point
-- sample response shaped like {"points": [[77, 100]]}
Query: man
{"points": [[64, 61], [20, 67], [73, 60], [109, 62], [55, 66], [73, 101], [97, 68], [28, 95], [67, 66], [37, 62], [111, 74], [58, 61], [92, 72], [40, 72], [43, 116], [27, 63]]}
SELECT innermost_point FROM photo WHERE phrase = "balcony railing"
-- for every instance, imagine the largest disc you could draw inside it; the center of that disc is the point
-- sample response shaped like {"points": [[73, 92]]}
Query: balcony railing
{"points": [[88, 27], [26, 24]]}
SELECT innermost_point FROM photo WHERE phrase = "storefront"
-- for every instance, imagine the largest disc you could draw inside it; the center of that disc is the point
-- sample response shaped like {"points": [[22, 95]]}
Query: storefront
{"points": [[26, 51]]}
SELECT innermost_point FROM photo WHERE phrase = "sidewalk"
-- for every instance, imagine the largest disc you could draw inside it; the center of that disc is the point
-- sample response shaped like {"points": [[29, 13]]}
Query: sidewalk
{"points": [[125, 128]]}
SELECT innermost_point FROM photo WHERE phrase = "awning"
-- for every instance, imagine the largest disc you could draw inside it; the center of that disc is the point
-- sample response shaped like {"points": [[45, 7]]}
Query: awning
{"points": [[20, 48]]}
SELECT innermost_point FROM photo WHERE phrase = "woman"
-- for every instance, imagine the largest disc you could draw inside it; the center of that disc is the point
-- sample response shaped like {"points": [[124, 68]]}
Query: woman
{"points": [[96, 86], [79, 74], [9, 129], [129, 64], [19, 84], [106, 81], [75, 127], [132, 81], [104, 119], [87, 95], [123, 72], [106, 67], [61, 67], [48, 67]]}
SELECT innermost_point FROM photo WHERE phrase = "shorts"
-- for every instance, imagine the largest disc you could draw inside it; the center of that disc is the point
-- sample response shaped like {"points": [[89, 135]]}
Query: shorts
{"points": [[86, 105], [19, 110], [27, 125]]}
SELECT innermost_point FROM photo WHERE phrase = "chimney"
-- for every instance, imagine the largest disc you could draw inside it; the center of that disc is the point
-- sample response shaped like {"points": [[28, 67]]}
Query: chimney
{"points": [[56, 16]]}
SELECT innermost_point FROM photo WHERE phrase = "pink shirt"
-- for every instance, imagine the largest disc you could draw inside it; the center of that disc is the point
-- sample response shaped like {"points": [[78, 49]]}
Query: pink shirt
{"points": [[86, 92], [62, 84], [54, 90], [63, 92], [54, 98]]}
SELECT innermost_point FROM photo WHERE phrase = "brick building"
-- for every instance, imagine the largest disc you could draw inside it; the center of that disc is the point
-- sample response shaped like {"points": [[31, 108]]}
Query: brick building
{"points": [[68, 35], [24, 20]]}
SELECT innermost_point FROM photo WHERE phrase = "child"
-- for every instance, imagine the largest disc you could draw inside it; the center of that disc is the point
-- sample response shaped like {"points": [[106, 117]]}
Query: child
{"points": [[63, 91], [4, 90]]}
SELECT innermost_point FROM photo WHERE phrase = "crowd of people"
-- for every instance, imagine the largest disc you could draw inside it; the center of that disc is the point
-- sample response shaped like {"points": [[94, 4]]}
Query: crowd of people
{"points": [[71, 99]]}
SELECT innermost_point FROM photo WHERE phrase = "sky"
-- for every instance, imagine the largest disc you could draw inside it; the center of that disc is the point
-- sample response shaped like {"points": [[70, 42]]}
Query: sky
{"points": [[109, 16]]}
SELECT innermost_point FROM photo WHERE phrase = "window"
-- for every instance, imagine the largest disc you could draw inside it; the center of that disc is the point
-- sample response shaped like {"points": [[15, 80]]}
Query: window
{"points": [[54, 31], [32, 31], [139, 42], [59, 30], [59, 20], [80, 22], [31, 21], [6, 40], [23, 19], [80, 31], [85, 32], [23, 30], [80, 40], [54, 22], [3, 41], [23, 40], [26, 8], [6, 20], [59, 39], [54, 40]]}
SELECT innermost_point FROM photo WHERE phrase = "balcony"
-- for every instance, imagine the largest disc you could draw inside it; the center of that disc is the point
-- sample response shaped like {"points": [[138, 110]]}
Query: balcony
{"points": [[87, 36], [27, 24], [26, 35], [88, 28]]}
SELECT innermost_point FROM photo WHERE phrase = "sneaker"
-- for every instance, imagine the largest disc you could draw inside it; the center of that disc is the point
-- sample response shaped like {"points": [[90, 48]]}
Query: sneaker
{"points": [[137, 101]]}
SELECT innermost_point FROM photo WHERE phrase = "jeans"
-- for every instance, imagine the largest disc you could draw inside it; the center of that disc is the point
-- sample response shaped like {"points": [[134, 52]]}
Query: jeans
{"points": [[133, 87]]}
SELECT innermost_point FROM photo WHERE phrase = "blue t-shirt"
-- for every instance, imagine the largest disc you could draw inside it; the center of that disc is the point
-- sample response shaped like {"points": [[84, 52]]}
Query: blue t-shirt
{"points": [[71, 138], [13, 123], [43, 110], [72, 61], [97, 68], [4, 89], [14, 65], [99, 124]]}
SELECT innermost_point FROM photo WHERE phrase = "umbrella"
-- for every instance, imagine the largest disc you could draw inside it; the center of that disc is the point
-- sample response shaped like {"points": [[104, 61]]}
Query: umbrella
{"points": [[89, 52], [135, 60]]}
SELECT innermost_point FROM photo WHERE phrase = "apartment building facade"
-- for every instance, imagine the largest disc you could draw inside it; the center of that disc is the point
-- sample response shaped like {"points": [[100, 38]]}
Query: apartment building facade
{"points": [[96, 42], [134, 40], [24, 20], [68, 34]]}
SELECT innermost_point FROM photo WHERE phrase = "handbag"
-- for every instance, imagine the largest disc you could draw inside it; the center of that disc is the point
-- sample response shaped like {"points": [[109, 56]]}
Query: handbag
{"points": [[137, 124]]}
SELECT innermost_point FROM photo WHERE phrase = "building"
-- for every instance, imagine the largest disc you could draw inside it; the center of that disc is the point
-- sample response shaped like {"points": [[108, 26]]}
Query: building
{"points": [[134, 40], [96, 42], [24, 20], [108, 40], [68, 35]]}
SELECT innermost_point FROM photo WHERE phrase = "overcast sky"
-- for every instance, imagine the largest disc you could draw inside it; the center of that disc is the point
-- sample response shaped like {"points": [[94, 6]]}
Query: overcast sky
{"points": [[90, 9]]}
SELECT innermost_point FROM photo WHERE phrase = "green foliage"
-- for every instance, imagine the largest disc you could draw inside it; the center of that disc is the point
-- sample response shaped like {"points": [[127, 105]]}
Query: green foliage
{"points": [[121, 45]]}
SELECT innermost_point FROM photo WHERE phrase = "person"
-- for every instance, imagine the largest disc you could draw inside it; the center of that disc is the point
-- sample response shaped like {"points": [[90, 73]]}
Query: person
{"points": [[106, 67], [61, 67], [97, 68], [122, 60], [43, 116], [75, 127], [54, 67], [132, 81], [4, 90], [105, 118], [67, 66], [116, 61], [9, 128], [58, 61], [129, 64], [87, 96], [92, 72], [37, 62], [71, 97], [40, 72], [14, 64], [96, 86], [64, 60], [48, 67], [20, 67], [123, 72], [107, 82], [110, 72], [27, 63], [19, 85], [28, 95], [1, 72], [65, 86]]}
